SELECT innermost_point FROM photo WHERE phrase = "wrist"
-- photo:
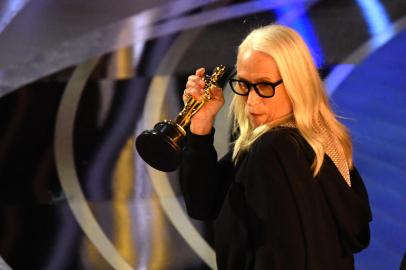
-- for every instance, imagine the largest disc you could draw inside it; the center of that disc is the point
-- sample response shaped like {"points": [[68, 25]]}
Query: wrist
{"points": [[201, 127]]}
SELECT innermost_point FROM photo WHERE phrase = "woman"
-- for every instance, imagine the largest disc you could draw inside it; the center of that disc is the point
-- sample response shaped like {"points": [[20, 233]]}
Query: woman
{"points": [[287, 196]]}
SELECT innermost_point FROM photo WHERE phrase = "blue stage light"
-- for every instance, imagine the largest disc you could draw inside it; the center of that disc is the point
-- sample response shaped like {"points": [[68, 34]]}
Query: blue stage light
{"points": [[303, 26], [375, 15]]}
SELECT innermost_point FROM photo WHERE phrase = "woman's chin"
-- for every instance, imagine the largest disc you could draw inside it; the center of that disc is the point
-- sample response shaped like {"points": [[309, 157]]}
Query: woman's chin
{"points": [[257, 121]]}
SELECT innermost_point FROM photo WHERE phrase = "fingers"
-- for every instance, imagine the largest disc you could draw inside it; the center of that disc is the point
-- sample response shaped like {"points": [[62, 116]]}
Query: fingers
{"points": [[192, 92], [194, 88], [195, 82], [195, 85]]}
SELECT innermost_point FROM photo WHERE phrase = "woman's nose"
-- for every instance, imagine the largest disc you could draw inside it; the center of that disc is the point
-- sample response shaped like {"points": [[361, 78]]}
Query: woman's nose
{"points": [[253, 97]]}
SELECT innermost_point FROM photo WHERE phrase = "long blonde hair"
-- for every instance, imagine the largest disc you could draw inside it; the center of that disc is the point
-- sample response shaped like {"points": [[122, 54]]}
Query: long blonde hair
{"points": [[311, 108]]}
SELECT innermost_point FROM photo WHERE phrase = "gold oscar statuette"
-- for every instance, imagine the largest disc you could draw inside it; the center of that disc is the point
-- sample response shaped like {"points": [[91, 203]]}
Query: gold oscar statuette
{"points": [[162, 146]]}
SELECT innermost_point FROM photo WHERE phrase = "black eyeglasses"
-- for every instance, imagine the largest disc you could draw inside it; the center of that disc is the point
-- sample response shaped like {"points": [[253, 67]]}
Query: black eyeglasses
{"points": [[263, 89]]}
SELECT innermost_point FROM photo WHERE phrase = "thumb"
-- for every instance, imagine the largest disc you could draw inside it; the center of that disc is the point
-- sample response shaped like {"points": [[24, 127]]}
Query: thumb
{"points": [[200, 72]]}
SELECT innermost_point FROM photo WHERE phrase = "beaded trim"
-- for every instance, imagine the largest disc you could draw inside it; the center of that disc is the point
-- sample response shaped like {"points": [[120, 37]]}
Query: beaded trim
{"points": [[333, 150]]}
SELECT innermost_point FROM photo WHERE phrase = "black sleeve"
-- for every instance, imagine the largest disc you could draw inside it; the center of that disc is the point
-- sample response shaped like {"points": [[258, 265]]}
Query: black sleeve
{"points": [[204, 180], [350, 207]]}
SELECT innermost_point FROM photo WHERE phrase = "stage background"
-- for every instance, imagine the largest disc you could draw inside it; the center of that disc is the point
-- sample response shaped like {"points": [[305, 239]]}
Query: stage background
{"points": [[80, 79]]}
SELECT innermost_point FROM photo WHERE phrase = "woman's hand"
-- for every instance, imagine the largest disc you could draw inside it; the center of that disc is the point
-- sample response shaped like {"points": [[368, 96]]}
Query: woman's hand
{"points": [[202, 122]]}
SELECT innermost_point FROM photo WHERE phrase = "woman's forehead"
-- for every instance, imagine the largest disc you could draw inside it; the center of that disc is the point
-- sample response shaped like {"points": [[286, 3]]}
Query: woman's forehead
{"points": [[256, 64]]}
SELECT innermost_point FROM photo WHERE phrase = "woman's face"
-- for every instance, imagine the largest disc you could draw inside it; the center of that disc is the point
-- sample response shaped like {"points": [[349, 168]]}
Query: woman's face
{"points": [[253, 67]]}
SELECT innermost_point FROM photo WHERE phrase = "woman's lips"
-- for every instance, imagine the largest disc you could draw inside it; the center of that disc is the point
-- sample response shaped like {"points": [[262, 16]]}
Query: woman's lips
{"points": [[254, 114]]}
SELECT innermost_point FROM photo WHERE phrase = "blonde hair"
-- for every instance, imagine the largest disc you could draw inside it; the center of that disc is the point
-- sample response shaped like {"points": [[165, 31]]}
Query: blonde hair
{"points": [[311, 109]]}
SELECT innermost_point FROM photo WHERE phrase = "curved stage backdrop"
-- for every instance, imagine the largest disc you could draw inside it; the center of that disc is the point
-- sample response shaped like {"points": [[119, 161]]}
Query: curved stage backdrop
{"points": [[80, 79]]}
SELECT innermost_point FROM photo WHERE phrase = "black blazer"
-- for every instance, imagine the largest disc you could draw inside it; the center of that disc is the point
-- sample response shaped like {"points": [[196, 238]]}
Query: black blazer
{"points": [[269, 212]]}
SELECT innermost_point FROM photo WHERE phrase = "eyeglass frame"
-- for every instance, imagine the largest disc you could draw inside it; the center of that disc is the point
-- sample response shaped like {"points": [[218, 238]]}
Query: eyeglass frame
{"points": [[250, 85]]}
